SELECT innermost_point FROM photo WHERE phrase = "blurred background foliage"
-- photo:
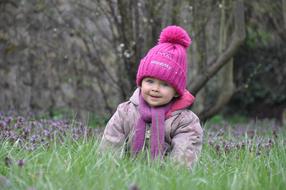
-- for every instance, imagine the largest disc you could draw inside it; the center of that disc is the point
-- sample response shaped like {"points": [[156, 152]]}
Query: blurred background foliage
{"points": [[81, 57]]}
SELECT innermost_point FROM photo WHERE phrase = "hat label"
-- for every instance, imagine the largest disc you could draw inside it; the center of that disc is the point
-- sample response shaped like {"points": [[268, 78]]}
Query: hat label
{"points": [[166, 54], [165, 65]]}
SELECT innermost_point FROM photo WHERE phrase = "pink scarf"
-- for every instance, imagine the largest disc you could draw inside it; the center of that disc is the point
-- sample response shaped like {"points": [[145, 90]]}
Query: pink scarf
{"points": [[155, 115]]}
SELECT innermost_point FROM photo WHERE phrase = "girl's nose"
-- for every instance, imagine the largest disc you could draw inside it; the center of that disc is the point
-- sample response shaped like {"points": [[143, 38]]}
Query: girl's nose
{"points": [[155, 87]]}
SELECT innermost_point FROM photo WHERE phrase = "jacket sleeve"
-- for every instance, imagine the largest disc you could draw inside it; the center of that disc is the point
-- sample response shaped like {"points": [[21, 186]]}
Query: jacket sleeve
{"points": [[187, 139], [114, 136]]}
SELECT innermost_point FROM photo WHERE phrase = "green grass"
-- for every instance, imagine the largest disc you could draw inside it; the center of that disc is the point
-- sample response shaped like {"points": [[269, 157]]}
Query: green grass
{"points": [[78, 165]]}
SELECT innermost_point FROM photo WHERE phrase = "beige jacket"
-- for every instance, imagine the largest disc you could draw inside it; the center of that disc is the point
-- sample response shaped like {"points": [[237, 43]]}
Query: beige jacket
{"points": [[183, 132]]}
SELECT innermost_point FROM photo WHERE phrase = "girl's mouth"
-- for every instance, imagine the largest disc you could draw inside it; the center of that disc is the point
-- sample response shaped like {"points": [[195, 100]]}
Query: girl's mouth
{"points": [[154, 96]]}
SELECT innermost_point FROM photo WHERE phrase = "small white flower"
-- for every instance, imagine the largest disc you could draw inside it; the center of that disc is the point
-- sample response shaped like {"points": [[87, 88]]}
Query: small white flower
{"points": [[120, 47], [127, 54]]}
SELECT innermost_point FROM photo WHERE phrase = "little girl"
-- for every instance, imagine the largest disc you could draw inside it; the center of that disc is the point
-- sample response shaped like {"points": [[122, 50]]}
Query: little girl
{"points": [[156, 117]]}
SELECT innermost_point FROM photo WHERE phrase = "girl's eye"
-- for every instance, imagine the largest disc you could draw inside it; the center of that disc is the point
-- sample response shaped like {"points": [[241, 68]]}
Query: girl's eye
{"points": [[149, 81], [165, 84]]}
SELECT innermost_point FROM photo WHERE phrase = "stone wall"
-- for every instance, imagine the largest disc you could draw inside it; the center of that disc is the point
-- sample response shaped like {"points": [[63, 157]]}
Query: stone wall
{"points": [[45, 63]]}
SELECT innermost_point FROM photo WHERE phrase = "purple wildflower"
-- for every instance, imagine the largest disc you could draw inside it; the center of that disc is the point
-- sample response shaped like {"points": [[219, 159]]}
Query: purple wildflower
{"points": [[21, 163]]}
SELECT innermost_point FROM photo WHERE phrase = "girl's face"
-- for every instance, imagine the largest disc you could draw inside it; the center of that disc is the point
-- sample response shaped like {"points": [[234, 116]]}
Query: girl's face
{"points": [[156, 92]]}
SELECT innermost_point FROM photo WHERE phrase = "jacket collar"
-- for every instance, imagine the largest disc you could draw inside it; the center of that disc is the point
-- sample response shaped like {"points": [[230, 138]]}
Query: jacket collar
{"points": [[180, 103], [135, 97]]}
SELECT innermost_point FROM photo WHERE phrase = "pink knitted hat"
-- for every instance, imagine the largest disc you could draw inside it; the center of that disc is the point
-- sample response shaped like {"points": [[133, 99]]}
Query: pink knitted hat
{"points": [[167, 61]]}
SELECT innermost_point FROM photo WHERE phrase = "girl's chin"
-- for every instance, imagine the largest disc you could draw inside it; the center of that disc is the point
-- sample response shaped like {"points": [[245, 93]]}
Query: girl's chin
{"points": [[154, 103]]}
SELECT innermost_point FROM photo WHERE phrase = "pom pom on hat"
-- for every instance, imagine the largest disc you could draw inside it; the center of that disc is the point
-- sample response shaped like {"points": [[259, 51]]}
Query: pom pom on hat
{"points": [[175, 35]]}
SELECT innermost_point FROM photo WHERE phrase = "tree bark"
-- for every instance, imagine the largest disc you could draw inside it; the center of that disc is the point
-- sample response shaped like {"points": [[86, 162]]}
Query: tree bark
{"points": [[175, 12], [284, 12]]}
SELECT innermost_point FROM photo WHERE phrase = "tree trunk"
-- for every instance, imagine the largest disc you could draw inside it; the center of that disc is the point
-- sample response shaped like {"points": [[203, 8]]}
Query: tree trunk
{"points": [[217, 63], [225, 76], [226, 91]]}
